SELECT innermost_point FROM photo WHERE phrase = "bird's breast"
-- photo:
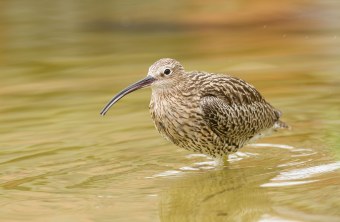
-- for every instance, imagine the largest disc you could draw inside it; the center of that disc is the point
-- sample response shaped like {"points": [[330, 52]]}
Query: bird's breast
{"points": [[180, 120], [173, 115]]}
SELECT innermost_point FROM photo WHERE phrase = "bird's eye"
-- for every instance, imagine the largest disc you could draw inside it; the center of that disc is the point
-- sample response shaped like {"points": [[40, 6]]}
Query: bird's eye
{"points": [[167, 71]]}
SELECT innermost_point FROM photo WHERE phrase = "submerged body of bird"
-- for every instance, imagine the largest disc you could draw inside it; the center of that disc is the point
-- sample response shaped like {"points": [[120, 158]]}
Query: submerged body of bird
{"points": [[204, 112]]}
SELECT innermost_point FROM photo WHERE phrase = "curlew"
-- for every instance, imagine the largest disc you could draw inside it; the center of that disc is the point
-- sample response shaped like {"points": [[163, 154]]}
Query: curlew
{"points": [[208, 113]]}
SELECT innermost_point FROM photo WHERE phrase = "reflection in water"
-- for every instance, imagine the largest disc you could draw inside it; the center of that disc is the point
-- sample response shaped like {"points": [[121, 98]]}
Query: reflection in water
{"points": [[237, 193], [217, 195], [60, 161]]}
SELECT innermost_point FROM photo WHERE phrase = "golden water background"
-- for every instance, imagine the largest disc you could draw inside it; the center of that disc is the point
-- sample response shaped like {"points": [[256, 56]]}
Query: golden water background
{"points": [[61, 61]]}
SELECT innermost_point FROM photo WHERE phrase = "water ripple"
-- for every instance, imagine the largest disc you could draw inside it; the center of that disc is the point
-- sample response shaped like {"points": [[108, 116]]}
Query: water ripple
{"points": [[287, 178]]}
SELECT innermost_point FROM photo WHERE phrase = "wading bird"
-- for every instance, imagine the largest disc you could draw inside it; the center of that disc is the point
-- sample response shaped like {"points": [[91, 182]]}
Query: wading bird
{"points": [[204, 112]]}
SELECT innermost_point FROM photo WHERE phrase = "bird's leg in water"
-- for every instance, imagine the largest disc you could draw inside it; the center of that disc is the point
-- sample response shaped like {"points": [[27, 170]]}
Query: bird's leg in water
{"points": [[222, 160]]}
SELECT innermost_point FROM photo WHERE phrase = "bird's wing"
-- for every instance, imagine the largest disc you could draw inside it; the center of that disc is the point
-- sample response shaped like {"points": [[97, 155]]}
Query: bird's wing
{"points": [[236, 123], [237, 113]]}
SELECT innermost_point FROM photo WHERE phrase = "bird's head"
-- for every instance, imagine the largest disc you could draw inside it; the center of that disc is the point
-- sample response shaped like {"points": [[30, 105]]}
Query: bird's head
{"points": [[166, 72], [163, 74]]}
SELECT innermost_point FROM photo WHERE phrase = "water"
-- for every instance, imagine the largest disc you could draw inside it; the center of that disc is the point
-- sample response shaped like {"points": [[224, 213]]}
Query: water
{"points": [[61, 61]]}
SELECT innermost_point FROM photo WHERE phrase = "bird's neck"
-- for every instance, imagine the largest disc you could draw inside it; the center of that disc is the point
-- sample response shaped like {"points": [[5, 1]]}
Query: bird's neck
{"points": [[168, 87], [165, 91]]}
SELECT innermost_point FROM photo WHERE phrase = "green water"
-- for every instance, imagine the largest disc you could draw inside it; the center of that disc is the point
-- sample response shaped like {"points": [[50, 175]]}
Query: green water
{"points": [[61, 61]]}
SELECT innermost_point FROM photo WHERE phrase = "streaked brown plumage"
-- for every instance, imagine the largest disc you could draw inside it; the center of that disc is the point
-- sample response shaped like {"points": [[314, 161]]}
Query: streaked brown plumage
{"points": [[204, 112]]}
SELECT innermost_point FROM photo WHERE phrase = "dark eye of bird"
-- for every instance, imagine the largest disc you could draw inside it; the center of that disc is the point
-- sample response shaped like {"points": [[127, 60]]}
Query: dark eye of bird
{"points": [[167, 71]]}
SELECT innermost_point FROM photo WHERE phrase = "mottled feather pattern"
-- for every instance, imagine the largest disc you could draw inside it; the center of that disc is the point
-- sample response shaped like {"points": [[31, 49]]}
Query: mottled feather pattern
{"points": [[211, 113], [204, 112]]}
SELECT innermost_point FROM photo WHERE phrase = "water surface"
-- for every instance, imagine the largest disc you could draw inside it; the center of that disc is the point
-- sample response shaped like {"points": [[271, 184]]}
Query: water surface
{"points": [[60, 62]]}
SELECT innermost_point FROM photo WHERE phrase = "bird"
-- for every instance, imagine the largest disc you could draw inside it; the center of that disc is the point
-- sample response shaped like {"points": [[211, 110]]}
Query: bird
{"points": [[208, 113]]}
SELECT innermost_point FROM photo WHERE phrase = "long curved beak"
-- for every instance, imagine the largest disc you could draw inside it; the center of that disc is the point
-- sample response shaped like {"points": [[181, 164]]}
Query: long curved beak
{"points": [[138, 85]]}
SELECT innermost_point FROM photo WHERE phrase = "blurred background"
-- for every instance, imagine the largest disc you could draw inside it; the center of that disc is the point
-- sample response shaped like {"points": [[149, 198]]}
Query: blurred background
{"points": [[61, 62]]}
